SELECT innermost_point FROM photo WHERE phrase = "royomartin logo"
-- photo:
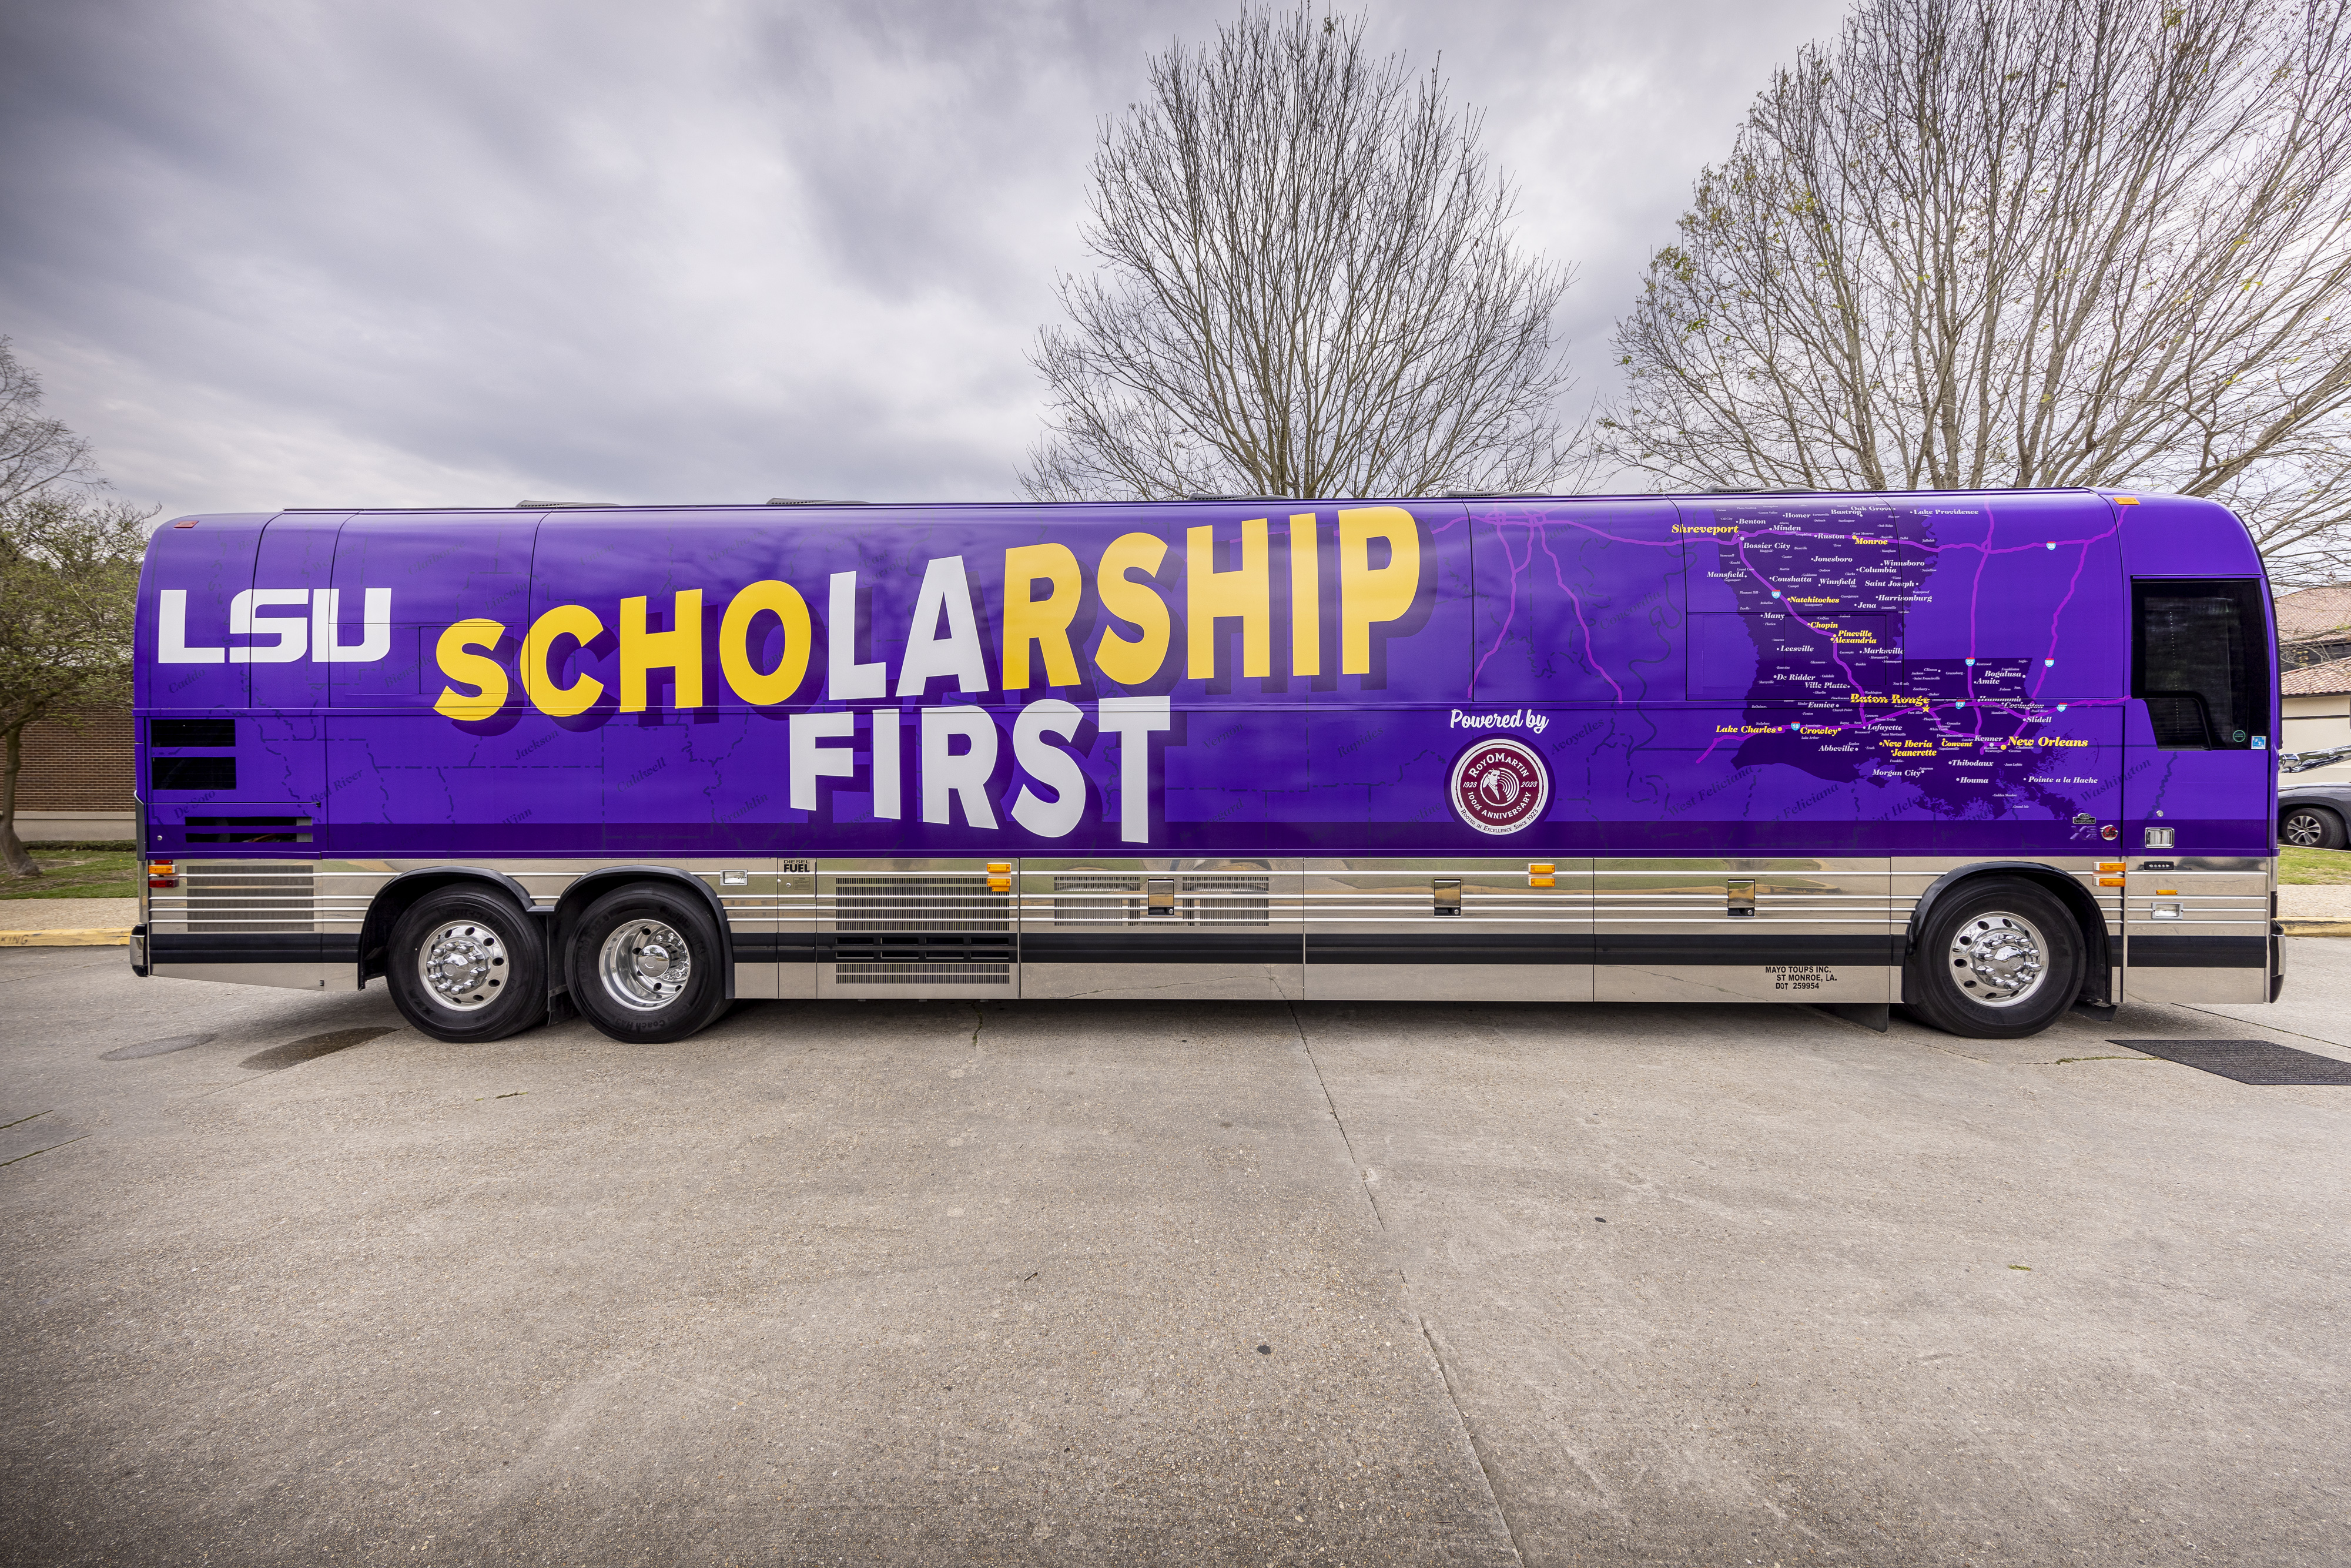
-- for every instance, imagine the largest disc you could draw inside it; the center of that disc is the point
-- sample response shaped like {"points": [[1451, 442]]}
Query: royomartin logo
{"points": [[1499, 787]]}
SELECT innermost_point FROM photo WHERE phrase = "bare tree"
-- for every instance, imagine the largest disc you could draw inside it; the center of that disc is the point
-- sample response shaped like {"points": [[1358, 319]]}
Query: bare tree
{"points": [[1984, 243], [70, 560], [1307, 288]]}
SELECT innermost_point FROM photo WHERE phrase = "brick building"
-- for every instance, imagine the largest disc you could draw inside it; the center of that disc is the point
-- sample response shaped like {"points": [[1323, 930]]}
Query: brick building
{"points": [[77, 783]]}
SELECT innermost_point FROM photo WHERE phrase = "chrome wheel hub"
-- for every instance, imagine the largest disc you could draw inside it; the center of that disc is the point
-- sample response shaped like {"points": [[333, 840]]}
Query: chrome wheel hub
{"points": [[645, 965], [463, 965], [2304, 831], [1999, 960]]}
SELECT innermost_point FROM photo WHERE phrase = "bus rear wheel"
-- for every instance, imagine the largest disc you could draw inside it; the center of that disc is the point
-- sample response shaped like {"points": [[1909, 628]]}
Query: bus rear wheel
{"points": [[646, 965], [1999, 960], [466, 967]]}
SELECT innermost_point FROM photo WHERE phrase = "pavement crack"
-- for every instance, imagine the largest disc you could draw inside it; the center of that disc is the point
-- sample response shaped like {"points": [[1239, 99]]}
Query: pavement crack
{"points": [[52, 1148], [22, 1120], [1337, 1120], [1428, 1334]]}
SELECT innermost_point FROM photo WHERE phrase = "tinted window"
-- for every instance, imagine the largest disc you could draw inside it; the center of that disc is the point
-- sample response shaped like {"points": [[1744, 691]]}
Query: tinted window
{"points": [[193, 772], [191, 732], [2200, 660]]}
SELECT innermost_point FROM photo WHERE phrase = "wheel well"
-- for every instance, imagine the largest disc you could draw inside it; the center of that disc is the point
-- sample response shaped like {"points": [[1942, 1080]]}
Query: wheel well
{"points": [[396, 897], [596, 883], [2098, 975]]}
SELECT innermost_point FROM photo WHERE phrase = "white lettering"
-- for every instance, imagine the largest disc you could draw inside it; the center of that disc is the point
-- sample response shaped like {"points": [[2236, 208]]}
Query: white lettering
{"points": [[171, 633], [326, 626], [887, 798], [1520, 718], [946, 772], [957, 653], [1050, 766], [1134, 720], [845, 679], [811, 761], [244, 622]]}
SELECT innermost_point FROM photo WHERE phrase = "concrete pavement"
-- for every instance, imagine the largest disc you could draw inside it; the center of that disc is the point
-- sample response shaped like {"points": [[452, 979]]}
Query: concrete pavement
{"points": [[1088, 1283]]}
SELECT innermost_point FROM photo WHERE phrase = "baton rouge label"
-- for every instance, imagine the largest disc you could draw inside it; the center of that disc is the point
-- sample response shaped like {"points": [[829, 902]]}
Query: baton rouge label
{"points": [[1499, 787]]}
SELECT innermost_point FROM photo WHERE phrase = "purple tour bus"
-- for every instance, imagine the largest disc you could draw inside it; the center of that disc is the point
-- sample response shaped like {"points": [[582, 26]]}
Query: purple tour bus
{"points": [[1985, 756]]}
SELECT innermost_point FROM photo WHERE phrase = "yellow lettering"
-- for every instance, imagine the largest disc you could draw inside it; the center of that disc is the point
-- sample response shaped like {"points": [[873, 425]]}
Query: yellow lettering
{"points": [[1131, 662], [1044, 622], [1369, 594], [678, 649], [775, 685], [577, 622], [1305, 597], [1245, 594], [482, 673]]}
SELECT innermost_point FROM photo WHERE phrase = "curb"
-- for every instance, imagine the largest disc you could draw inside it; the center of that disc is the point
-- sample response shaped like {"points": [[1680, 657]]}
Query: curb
{"points": [[2314, 927], [99, 938]]}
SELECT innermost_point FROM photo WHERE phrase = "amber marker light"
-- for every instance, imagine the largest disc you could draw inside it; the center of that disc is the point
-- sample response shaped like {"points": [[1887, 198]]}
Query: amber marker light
{"points": [[2111, 865], [1542, 874], [1000, 876], [2110, 881], [162, 873]]}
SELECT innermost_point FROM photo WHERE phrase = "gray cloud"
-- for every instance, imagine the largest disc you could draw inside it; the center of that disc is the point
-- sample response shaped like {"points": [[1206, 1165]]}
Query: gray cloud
{"points": [[278, 254]]}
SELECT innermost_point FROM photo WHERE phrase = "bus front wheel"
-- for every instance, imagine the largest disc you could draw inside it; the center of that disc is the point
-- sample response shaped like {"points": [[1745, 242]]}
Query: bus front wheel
{"points": [[1999, 960], [466, 967], [646, 965]]}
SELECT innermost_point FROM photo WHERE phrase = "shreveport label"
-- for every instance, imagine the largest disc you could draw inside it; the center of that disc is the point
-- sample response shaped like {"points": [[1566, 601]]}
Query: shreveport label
{"points": [[1499, 787]]}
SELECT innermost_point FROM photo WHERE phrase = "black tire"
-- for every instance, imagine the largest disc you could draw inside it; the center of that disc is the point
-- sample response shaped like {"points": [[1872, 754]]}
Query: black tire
{"points": [[2310, 828], [1982, 936], [458, 934], [607, 964]]}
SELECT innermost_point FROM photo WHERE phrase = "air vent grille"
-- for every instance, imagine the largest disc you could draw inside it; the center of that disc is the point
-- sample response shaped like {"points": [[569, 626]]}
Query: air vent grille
{"points": [[1226, 900], [247, 830], [249, 898], [923, 973], [912, 904], [1095, 899]]}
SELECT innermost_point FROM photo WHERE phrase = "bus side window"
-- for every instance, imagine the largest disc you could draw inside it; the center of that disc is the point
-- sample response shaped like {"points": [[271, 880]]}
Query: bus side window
{"points": [[2200, 660]]}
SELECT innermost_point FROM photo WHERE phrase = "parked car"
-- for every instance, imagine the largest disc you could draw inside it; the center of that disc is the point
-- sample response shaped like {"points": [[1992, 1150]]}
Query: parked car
{"points": [[2312, 816]]}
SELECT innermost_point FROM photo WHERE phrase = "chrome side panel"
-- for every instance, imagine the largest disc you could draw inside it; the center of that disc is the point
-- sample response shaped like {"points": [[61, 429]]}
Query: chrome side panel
{"points": [[1821, 931], [1366, 929], [916, 929], [2201, 931], [1160, 928], [252, 923], [293, 977], [1374, 933]]}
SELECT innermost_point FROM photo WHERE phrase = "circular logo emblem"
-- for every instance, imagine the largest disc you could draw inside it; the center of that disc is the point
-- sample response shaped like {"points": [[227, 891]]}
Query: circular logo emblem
{"points": [[1499, 786]]}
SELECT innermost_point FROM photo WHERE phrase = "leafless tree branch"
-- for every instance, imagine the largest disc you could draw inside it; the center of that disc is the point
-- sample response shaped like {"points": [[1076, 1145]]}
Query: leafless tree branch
{"points": [[1307, 288], [2025, 243]]}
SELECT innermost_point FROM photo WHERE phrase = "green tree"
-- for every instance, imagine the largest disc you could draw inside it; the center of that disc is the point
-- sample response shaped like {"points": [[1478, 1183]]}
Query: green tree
{"points": [[70, 559]]}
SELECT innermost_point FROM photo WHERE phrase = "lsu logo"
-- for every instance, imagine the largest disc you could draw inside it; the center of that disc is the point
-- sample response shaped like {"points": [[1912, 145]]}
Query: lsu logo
{"points": [[298, 621]]}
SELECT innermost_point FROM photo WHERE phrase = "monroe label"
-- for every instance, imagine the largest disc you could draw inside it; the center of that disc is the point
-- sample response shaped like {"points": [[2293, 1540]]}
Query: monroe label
{"points": [[1499, 787]]}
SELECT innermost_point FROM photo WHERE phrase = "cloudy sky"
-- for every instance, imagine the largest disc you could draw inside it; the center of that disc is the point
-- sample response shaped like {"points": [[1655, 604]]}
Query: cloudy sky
{"points": [[272, 254]]}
